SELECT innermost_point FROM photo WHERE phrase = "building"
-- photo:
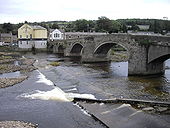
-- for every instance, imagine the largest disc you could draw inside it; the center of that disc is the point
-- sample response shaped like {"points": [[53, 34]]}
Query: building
{"points": [[6, 38], [56, 34], [144, 27], [32, 36]]}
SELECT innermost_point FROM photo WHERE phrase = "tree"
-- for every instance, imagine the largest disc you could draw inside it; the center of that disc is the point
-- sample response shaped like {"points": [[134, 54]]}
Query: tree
{"points": [[135, 27], [116, 26], [124, 28], [81, 25], [55, 26], [7, 27], [104, 24]]}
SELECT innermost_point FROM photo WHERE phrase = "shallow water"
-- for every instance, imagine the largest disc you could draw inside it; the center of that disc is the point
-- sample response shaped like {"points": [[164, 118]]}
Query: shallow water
{"points": [[45, 97], [10, 75]]}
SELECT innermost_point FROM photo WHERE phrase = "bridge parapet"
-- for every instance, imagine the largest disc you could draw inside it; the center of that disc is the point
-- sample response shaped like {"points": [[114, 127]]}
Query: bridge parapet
{"points": [[151, 39]]}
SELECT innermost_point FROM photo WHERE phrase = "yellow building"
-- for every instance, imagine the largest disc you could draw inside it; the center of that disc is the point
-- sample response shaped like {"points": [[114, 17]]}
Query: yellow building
{"points": [[32, 36]]}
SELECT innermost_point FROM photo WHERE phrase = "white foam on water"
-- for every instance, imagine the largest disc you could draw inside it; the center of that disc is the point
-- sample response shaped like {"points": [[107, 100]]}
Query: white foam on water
{"points": [[77, 95], [73, 89], [43, 79], [54, 94]]}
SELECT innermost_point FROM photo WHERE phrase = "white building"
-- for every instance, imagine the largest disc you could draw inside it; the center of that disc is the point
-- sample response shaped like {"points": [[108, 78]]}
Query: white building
{"points": [[56, 34], [144, 27]]}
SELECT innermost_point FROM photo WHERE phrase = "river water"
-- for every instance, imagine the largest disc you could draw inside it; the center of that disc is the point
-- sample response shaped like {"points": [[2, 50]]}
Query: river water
{"points": [[38, 99], [110, 80]]}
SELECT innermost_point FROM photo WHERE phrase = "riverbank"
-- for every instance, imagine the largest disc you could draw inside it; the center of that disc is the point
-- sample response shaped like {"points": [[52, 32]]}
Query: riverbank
{"points": [[12, 62], [16, 124], [119, 56]]}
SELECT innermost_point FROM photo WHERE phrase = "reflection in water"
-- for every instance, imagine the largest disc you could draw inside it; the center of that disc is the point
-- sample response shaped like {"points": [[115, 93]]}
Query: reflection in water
{"points": [[10, 75], [118, 71], [155, 85], [114, 69]]}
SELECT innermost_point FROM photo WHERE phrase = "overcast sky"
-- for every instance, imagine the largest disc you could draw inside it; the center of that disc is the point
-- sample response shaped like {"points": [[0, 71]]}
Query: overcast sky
{"points": [[16, 11]]}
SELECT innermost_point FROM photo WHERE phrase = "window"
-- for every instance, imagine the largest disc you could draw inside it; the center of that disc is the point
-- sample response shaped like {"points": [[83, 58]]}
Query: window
{"points": [[30, 36], [20, 36], [27, 36]]}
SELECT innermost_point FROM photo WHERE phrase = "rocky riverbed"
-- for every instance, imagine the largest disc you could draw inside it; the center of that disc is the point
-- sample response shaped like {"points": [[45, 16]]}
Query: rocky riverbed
{"points": [[119, 56], [16, 124], [7, 65]]}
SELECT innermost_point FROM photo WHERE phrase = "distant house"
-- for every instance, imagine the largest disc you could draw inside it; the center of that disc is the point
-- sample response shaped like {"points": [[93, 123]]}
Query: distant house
{"points": [[56, 34], [32, 36], [144, 27], [168, 34], [6, 38]]}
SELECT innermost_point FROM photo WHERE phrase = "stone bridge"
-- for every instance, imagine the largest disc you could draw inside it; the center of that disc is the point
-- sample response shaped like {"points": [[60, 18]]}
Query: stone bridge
{"points": [[146, 53]]}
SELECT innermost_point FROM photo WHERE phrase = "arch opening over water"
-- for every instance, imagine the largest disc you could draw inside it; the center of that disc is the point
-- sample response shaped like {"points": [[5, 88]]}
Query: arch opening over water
{"points": [[61, 49], [76, 49], [113, 49]]}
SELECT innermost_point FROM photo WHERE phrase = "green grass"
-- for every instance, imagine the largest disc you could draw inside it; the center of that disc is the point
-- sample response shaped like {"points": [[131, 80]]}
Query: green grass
{"points": [[55, 63], [5, 57]]}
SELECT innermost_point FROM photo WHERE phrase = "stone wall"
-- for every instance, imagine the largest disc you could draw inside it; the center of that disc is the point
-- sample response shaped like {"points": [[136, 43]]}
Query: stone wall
{"points": [[142, 50]]}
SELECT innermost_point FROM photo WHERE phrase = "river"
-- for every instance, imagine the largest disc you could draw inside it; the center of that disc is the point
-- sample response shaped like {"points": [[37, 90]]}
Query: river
{"points": [[110, 80], [38, 99]]}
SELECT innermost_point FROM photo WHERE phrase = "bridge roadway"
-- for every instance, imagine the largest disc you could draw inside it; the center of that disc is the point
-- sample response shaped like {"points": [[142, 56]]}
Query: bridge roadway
{"points": [[147, 53]]}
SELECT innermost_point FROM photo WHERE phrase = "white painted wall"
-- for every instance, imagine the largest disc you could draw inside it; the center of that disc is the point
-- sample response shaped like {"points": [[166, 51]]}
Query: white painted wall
{"points": [[56, 35], [1, 43], [25, 44], [29, 44], [40, 44]]}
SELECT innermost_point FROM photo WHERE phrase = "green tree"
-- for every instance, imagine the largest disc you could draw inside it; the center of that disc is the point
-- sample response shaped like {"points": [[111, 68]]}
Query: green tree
{"points": [[7, 27], [135, 27], [69, 27], [55, 26], [104, 24], [81, 25], [116, 26]]}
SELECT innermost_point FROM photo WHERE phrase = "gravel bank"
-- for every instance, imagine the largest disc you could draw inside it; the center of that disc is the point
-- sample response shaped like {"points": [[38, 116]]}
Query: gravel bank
{"points": [[7, 65], [16, 124], [6, 82]]}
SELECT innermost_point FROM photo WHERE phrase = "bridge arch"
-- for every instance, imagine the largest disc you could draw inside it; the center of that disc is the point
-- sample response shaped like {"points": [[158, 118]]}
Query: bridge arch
{"points": [[61, 49], [76, 49], [161, 59], [103, 49]]}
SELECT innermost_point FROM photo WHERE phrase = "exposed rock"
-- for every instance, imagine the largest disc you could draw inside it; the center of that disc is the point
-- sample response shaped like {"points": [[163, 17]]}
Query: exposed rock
{"points": [[6, 82], [16, 124], [148, 109], [161, 109], [25, 66]]}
